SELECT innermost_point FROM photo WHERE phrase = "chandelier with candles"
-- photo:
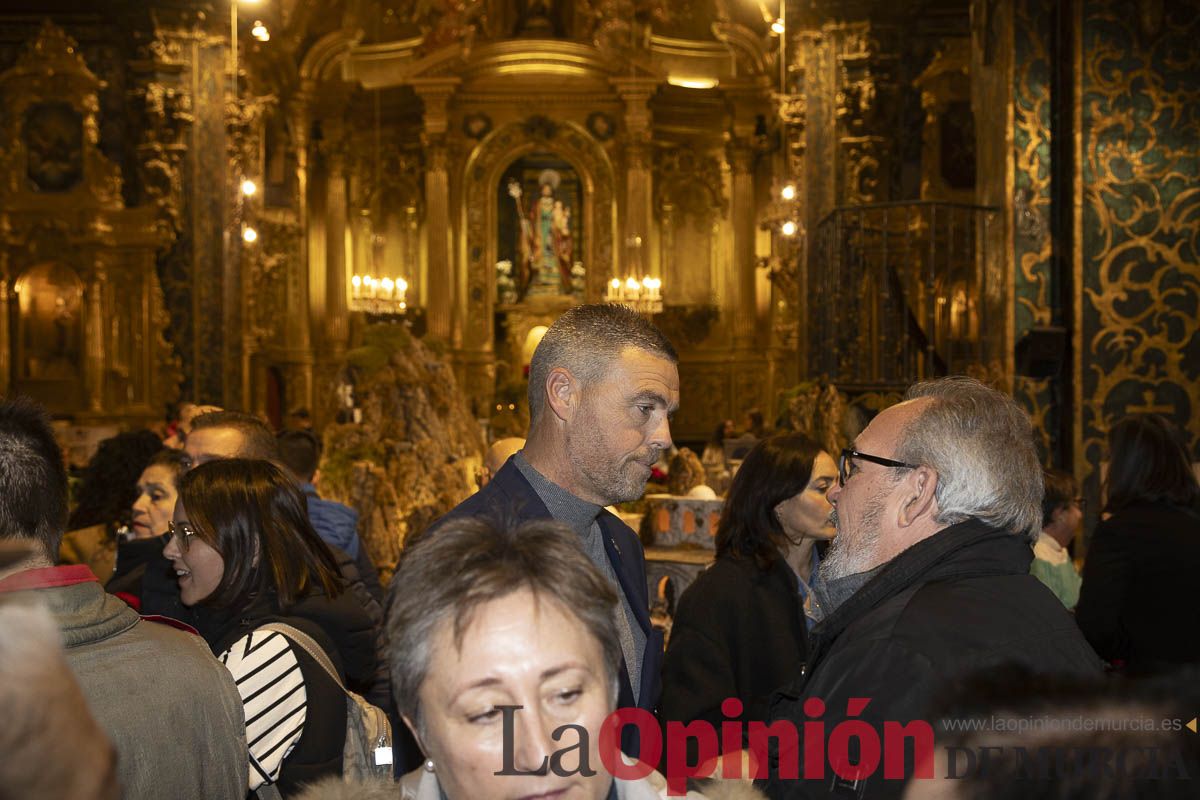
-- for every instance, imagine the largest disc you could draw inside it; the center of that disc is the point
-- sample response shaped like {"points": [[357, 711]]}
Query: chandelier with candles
{"points": [[644, 296], [378, 295]]}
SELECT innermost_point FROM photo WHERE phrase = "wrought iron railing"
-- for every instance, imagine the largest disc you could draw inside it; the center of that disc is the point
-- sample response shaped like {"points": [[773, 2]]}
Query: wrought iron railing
{"points": [[903, 291]]}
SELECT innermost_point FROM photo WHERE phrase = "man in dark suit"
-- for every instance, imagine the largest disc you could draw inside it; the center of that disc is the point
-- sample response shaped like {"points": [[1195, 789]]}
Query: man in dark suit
{"points": [[603, 384]]}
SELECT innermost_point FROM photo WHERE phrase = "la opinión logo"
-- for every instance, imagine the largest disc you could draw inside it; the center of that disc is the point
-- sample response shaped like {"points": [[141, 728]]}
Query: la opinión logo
{"points": [[872, 749], [854, 750]]}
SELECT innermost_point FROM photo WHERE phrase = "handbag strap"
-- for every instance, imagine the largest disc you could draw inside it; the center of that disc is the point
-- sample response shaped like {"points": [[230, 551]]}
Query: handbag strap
{"points": [[309, 646]]}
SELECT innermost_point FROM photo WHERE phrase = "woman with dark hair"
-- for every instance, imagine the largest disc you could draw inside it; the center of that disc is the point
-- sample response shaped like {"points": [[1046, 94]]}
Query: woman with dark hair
{"points": [[149, 517], [1137, 598], [740, 628], [103, 498], [245, 555]]}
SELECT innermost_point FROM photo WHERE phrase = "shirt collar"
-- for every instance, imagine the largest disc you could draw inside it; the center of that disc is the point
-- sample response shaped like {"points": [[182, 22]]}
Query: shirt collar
{"points": [[1046, 540], [562, 505]]}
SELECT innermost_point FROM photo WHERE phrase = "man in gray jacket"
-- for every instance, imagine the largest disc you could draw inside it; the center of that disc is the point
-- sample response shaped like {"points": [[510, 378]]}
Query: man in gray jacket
{"points": [[170, 708]]}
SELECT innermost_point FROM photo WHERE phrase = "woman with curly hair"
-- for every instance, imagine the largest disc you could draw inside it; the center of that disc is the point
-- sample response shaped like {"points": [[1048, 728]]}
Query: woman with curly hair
{"points": [[103, 500]]}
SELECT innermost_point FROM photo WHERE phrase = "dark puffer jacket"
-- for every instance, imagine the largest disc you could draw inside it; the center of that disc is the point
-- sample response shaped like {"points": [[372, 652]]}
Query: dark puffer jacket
{"points": [[958, 602]]}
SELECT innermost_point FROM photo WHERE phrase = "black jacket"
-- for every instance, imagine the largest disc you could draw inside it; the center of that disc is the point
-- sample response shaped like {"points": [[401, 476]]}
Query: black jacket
{"points": [[347, 636], [739, 631], [508, 496], [1139, 588], [157, 590], [958, 602]]}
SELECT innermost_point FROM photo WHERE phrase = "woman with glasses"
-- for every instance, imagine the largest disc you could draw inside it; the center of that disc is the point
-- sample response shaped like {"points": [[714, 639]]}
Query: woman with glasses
{"points": [[245, 555], [740, 628], [1136, 605]]}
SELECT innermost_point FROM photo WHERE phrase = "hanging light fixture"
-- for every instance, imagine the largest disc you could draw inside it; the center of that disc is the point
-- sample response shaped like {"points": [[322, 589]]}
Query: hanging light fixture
{"points": [[386, 296]]}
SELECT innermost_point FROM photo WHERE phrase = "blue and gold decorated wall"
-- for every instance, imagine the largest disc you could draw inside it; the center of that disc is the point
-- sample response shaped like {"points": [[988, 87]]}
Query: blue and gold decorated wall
{"points": [[1033, 287], [1138, 218]]}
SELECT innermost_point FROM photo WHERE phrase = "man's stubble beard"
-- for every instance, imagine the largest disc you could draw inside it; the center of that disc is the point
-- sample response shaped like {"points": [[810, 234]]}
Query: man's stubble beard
{"points": [[586, 450]]}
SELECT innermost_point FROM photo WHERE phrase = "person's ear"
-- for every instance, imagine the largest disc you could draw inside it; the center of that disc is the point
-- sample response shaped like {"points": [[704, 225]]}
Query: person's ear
{"points": [[919, 498], [416, 734], [562, 393]]}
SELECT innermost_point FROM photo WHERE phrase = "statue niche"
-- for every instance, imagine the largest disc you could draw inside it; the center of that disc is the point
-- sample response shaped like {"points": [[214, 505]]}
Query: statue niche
{"points": [[46, 307], [540, 235]]}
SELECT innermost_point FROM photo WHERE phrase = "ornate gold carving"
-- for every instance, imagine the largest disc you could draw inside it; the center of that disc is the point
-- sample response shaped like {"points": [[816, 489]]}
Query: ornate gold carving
{"points": [[690, 183], [54, 220], [269, 263], [863, 170], [746, 46], [50, 75]]}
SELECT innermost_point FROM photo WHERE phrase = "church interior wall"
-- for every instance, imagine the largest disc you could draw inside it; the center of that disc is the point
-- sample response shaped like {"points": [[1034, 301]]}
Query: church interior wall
{"points": [[382, 139]]}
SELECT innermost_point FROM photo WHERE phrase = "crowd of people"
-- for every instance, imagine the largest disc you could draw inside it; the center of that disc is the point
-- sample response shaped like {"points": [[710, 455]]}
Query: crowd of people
{"points": [[221, 628]]}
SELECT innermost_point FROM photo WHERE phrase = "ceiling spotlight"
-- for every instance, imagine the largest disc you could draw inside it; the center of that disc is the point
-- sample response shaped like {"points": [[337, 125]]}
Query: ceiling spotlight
{"points": [[260, 32], [788, 192], [777, 27], [249, 187], [788, 228], [249, 235]]}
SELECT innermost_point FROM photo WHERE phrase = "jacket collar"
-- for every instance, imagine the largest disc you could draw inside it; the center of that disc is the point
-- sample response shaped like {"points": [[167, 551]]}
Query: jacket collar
{"points": [[85, 613], [966, 549], [47, 578], [509, 482]]}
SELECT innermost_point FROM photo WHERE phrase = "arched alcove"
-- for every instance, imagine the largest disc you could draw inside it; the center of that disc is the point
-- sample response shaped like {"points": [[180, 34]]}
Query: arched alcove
{"points": [[48, 346], [483, 171]]}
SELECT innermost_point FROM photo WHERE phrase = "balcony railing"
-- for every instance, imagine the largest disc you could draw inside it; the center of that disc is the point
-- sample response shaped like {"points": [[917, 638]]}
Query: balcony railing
{"points": [[903, 291]]}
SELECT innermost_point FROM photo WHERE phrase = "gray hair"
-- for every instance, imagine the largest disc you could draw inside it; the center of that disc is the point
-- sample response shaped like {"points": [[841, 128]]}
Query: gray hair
{"points": [[449, 572], [585, 340], [981, 444]]}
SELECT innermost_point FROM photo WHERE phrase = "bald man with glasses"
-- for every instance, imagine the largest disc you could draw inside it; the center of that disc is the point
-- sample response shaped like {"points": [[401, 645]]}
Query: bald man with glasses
{"points": [[927, 580]]}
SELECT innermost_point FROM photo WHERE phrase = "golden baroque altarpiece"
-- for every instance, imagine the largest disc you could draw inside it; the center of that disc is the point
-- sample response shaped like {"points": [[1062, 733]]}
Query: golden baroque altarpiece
{"points": [[509, 158]]}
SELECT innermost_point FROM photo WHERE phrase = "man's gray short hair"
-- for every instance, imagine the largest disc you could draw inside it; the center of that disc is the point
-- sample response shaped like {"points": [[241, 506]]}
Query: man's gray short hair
{"points": [[451, 571], [585, 340], [981, 444]]}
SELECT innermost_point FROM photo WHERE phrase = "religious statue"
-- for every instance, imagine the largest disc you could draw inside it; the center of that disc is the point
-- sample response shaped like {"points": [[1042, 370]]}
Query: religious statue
{"points": [[545, 241]]}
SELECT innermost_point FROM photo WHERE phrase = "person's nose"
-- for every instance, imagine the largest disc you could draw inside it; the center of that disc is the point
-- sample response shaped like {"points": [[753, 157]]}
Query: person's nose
{"points": [[533, 745], [661, 436], [834, 492], [172, 551], [142, 503]]}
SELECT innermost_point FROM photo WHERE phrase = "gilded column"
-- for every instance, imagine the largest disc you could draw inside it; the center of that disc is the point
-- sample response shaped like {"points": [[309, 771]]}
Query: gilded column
{"points": [[5, 344], [636, 93], [94, 338], [440, 272], [742, 209], [298, 325], [435, 93], [337, 324], [299, 335]]}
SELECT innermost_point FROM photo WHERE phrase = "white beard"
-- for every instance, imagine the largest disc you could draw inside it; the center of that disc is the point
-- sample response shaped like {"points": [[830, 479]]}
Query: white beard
{"points": [[849, 557]]}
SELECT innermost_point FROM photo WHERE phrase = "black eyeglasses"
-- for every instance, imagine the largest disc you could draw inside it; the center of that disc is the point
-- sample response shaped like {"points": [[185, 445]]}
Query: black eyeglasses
{"points": [[848, 454], [180, 532]]}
